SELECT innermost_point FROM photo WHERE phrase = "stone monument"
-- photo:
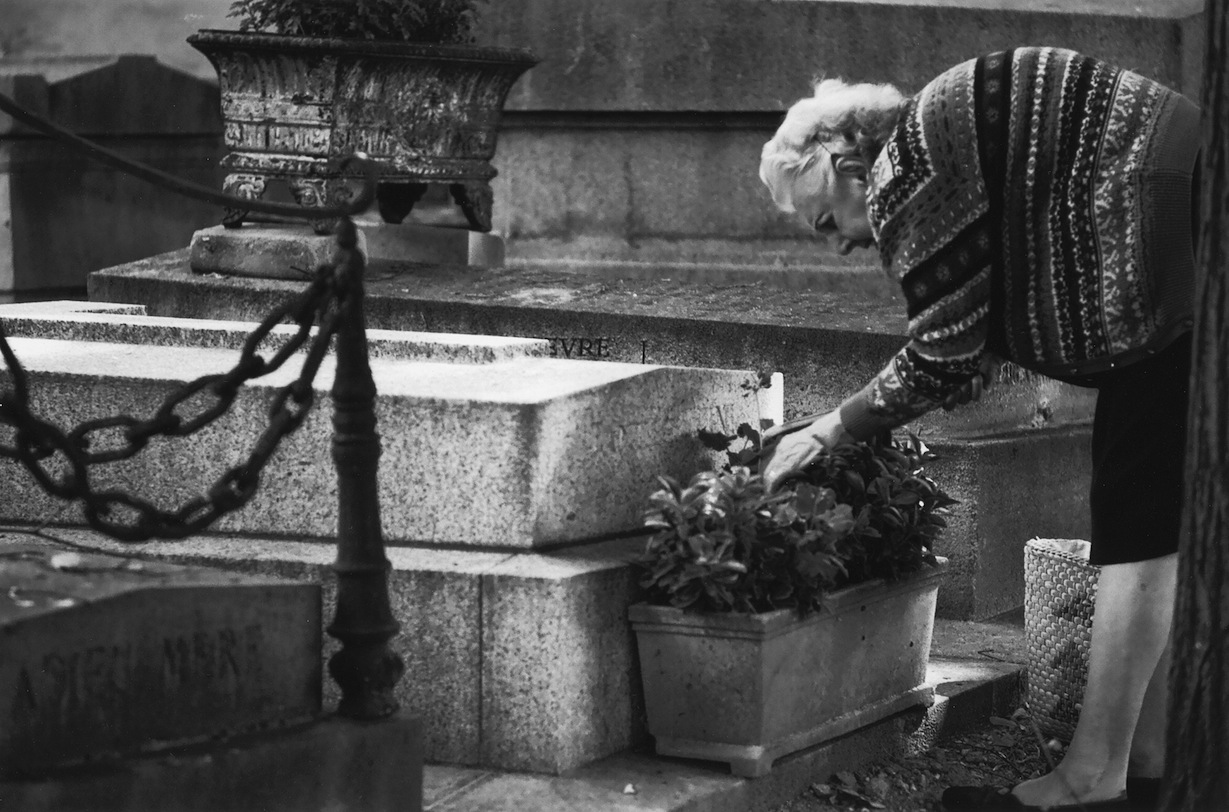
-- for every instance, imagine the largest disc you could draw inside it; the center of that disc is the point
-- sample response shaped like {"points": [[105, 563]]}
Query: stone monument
{"points": [[107, 657]]}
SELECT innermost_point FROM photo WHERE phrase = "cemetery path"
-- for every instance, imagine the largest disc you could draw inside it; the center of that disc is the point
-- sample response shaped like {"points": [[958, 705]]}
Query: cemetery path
{"points": [[1003, 752]]}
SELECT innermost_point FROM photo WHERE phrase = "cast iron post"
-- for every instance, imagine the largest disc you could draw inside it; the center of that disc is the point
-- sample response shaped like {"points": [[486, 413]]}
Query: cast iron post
{"points": [[366, 669]]}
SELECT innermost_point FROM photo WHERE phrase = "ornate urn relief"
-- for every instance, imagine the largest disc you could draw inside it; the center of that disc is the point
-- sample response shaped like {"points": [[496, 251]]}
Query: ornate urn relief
{"points": [[293, 105]]}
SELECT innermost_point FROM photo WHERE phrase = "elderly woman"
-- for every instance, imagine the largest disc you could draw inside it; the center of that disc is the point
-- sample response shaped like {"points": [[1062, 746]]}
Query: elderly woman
{"points": [[1035, 205]]}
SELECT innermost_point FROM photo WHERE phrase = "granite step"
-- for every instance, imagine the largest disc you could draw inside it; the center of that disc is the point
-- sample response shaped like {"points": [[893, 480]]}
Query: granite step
{"points": [[519, 452]]}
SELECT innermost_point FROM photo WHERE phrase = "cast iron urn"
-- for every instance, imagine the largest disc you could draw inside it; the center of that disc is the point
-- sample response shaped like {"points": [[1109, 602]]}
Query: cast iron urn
{"points": [[429, 113]]}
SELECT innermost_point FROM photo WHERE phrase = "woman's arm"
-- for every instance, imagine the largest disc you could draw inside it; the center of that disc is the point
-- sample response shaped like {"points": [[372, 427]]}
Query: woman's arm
{"points": [[793, 447], [795, 450]]}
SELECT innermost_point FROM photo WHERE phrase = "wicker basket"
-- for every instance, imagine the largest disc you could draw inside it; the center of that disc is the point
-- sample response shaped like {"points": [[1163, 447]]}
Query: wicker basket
{"points": [[1060, 589]]}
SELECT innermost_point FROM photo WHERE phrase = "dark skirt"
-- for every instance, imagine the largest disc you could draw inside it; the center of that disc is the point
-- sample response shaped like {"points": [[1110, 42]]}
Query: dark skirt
{"points": [[1138, 456]]}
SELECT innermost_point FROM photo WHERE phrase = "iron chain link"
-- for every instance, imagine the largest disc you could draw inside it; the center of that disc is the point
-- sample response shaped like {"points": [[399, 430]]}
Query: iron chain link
{"points": [[40, 446]]}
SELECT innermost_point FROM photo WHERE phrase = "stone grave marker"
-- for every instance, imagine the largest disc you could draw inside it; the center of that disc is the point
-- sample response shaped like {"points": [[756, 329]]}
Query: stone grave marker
{"points": [[106, 656]]}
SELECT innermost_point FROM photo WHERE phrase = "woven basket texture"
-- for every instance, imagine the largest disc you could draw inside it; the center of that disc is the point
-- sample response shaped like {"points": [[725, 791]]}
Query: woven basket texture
{"points": [[1060, 591]]}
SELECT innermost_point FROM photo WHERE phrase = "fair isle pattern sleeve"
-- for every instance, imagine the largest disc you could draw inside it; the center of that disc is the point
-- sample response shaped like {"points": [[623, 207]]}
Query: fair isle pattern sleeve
{"points": [[931, 213]]}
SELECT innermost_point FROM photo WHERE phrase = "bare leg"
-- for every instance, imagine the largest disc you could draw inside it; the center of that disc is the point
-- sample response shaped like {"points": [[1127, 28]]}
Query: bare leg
{"points": [[1148, 747], [1129, 634]]}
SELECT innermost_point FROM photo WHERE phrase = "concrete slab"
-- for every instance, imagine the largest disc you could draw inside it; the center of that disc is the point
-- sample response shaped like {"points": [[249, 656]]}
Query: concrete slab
{"points": [[560, 450]]}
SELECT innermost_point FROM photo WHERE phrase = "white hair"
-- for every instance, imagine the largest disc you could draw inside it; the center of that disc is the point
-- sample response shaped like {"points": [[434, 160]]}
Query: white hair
{"points": [[838, 117]]}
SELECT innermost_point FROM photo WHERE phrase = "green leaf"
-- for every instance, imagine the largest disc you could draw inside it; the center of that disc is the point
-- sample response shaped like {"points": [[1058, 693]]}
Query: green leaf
{"points": [[725, 544], [715, 440]]}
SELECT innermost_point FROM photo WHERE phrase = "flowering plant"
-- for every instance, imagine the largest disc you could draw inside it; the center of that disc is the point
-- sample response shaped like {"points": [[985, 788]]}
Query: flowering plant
{"points": [[859, 512]]}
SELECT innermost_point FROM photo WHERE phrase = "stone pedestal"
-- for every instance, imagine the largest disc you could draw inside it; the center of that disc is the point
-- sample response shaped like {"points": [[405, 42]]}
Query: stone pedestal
{"points": [[295, 251]]}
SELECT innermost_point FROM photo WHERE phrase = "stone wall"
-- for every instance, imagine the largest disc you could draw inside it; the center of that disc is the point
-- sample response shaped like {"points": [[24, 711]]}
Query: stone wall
{"points": [[637, 137], [690, 55], [735, 55], [76, 27], [63, 215]]}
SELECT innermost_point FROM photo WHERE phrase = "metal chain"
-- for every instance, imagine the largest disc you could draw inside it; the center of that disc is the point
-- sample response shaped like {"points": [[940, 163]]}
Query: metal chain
{"points": [[40, 446], [60, 462]]}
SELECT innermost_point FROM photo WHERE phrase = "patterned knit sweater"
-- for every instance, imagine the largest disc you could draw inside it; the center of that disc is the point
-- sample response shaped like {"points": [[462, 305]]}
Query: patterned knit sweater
{"points": [[1035, 204]]}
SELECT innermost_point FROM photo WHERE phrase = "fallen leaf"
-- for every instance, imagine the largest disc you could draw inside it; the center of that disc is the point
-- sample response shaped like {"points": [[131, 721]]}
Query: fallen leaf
{"points": [[878, 787], [857, 796], [846, 779]]}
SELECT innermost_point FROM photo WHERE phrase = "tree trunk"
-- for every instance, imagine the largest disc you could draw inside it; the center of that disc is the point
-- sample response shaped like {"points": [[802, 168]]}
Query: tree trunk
{"points": [[1198, 736]]}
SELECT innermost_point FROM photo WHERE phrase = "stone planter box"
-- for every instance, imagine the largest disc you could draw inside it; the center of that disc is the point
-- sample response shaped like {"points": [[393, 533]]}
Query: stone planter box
{"points": [[429, 113], [747, 689]]}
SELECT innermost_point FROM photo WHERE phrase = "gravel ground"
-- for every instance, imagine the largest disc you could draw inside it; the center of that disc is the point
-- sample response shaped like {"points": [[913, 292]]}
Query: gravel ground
{"points": [[1004, 752]]}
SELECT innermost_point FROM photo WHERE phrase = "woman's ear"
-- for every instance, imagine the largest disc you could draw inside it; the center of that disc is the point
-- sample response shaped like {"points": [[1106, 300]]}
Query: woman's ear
{"points": [[852, 165]]}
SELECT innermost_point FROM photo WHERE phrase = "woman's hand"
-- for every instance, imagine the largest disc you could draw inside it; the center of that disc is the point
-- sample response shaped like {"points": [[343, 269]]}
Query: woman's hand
{"points": [[796, 450], [792, 453]]}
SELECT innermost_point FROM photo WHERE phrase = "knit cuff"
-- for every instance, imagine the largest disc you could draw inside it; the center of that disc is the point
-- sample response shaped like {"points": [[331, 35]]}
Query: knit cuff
{"points": [[857, 418]]}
